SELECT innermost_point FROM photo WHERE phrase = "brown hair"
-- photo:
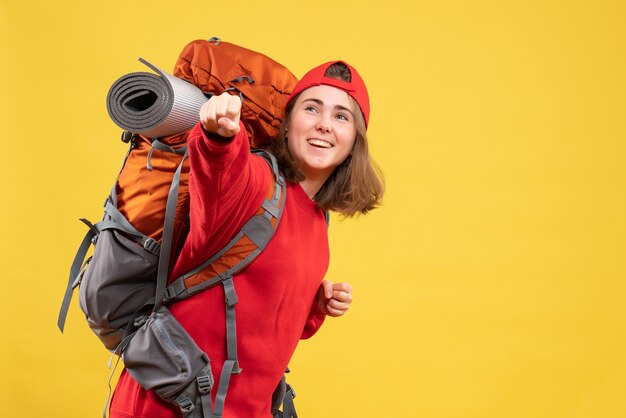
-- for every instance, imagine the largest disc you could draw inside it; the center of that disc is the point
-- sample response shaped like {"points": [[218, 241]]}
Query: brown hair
{"points": [[356, 185]]}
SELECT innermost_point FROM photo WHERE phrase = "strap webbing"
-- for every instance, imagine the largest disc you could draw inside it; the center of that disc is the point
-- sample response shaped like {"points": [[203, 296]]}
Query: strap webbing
{"points": [[289, 408], [116, 216], [168, 232], [202, 401], [156, 144], [231, 324], [231, 366], [73, 279], [204, 389]]}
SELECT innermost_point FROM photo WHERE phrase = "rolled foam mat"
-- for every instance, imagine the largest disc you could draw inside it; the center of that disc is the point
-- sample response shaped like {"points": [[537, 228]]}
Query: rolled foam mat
{"points": [[154, 105]]}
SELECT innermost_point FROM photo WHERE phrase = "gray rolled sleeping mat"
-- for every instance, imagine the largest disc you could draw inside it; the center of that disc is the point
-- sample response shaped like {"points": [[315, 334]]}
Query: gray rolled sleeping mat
{"points": [[154, 105]]}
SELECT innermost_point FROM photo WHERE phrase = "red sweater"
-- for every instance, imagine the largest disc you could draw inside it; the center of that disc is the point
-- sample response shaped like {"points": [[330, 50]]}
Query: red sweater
{"points": [[276, 292]]}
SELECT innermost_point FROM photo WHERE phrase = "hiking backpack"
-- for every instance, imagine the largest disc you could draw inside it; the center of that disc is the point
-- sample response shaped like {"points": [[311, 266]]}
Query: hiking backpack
{"points": [[124, 284]]}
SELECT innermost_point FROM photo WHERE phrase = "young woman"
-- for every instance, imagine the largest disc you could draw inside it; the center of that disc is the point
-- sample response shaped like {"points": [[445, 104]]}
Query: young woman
{"points": [[322, 150]]}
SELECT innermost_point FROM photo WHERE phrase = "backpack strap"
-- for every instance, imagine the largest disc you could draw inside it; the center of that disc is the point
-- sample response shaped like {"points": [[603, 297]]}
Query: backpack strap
{"points": [[156, 144], [252, 239], [289, 408], [115, 220], [255, 234], [168, 232], [74, 279]]}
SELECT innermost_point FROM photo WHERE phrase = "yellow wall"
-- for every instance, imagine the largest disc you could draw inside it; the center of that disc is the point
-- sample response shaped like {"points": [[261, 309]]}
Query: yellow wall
{"points": [[490, 284]]}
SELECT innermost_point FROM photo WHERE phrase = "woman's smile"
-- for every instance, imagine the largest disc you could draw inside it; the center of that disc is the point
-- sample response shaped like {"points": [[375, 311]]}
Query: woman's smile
{"points": [[319, 143]]}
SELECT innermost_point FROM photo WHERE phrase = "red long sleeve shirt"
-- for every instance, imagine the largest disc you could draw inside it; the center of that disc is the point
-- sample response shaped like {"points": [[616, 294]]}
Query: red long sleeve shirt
{"points": [[276, 292]]}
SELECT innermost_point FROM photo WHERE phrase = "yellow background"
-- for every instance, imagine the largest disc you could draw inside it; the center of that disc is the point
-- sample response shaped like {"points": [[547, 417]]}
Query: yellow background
{"points": [[491, 283]]}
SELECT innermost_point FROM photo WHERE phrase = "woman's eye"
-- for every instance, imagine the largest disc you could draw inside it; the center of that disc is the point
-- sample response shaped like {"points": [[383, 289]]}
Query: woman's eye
{"points": [[310, 109], [342, 116]]}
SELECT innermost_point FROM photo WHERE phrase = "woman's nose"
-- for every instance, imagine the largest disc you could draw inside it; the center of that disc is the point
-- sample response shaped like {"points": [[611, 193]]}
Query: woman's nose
{"points": [[323, 124]]}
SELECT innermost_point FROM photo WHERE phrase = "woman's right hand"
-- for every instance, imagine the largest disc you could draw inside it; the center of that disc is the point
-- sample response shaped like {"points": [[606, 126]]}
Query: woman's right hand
{"points": [[221, 114]]}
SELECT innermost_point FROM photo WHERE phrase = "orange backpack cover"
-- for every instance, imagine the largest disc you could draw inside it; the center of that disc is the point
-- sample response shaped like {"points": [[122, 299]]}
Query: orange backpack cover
{"points": [[265, 85], [213, 66]]}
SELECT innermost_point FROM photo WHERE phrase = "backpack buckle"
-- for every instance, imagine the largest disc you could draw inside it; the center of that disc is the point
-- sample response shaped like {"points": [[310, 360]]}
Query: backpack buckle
{"points": [[173, 290], [204, 384], [185, 405], [152, 245]]}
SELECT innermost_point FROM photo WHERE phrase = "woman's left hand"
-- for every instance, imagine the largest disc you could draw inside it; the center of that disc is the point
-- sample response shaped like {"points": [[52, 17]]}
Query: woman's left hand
{"points": [[334, 299]]}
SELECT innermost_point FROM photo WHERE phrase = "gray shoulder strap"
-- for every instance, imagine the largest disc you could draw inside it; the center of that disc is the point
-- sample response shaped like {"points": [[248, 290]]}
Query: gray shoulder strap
{"points": [[258, 229], [168, 232]]}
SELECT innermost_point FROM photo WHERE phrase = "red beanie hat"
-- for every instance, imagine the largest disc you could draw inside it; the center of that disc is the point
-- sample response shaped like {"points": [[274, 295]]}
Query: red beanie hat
{"points": [[355, 88]]}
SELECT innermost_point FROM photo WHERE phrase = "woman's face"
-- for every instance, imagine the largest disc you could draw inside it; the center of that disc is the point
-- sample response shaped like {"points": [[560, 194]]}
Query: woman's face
{"points": [[321, 130]]}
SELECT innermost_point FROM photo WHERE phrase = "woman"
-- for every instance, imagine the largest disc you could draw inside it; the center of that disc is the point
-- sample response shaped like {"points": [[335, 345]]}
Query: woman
{"points": [[283, 298]]}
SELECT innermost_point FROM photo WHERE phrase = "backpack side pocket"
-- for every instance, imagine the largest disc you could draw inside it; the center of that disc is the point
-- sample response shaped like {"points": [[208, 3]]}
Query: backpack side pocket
{"points": [[162, 357], [118, 281]]}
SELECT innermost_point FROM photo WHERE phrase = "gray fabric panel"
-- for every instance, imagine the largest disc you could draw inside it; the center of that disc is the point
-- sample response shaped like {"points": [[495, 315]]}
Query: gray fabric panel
{"points": [[163, 357], [259, 230], [119, 278]]}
